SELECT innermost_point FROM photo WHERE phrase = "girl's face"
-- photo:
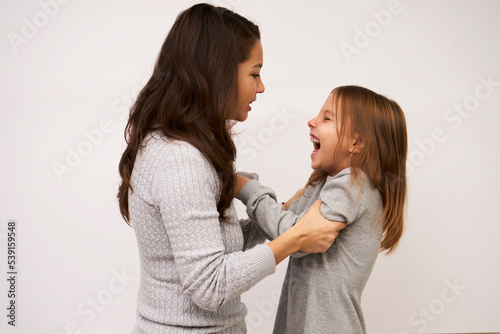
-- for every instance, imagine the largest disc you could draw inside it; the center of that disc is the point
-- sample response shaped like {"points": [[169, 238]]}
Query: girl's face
{"points": [[328, 154], [249, 82]]}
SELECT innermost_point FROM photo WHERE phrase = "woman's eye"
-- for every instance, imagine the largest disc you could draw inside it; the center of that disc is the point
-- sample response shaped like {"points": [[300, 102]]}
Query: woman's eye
{"points": [[327, 119], [255, 75]]}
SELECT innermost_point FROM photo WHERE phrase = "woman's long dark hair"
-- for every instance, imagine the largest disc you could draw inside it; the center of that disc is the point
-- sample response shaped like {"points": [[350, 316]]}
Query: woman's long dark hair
{"points": [[192, 93]]}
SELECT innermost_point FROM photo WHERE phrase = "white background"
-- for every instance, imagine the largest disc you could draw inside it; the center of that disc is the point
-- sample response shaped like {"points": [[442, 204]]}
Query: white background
{"points": [[69, 70]]}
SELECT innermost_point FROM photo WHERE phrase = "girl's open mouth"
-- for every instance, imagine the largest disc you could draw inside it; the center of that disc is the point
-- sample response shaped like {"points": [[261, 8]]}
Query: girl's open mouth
{"points": [[315, 142]]}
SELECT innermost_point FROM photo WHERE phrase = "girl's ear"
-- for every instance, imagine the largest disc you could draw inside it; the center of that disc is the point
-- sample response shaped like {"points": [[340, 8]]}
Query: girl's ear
{"points": [[357, 144]]}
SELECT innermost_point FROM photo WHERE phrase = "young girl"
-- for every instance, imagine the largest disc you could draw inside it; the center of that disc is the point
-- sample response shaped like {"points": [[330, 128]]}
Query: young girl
{"points": [[360, 148], [178, 178]]}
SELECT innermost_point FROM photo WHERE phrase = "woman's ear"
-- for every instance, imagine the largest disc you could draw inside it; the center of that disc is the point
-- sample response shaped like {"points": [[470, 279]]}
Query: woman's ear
{"points": [[357, 144]]}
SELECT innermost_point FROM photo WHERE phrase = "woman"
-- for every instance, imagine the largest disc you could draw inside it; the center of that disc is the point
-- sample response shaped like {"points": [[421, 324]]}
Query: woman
{"points": [[178, 180]]}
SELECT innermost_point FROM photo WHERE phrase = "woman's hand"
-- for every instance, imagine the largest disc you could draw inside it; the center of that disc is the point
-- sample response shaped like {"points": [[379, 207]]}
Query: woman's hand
{"points": [[295, 197], [238, 184], [316, 234], [312, 234]]}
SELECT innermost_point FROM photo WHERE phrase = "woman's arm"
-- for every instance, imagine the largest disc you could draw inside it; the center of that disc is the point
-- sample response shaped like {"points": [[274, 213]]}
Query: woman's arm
{"points": [[311, 234], [185, 190]]}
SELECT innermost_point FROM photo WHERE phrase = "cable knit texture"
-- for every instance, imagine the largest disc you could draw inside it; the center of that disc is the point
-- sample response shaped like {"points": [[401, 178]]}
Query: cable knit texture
{"points": [[193, 267]]}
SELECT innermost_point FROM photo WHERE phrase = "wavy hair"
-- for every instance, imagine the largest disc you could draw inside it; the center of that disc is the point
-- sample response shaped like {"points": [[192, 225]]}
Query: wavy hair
{"points": [[192, 93], [381, 124]]}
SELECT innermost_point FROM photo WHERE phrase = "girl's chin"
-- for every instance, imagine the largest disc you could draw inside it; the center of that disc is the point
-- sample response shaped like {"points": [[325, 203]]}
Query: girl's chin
{"points": [[314, 165]]}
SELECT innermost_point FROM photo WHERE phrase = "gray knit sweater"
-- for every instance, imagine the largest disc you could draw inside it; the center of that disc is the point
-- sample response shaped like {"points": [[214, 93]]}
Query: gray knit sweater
{"points": [[193, 268], [322, 292]]}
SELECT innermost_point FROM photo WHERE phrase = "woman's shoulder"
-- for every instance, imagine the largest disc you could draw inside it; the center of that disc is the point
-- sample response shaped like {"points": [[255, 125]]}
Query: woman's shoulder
{"points": [[160, 149], [162, 158]]}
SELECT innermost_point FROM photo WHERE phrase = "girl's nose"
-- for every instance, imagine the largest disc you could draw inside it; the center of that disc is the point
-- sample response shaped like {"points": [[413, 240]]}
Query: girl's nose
{"points": [[311, 123]]}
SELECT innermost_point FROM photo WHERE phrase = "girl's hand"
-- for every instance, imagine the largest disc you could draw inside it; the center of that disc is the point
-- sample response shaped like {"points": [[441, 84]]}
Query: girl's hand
{"points": [[238, 184], [317, 233], [295, 197]]}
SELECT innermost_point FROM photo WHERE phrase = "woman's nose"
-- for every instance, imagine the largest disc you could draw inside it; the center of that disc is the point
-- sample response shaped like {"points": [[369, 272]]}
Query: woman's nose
{"points": [[260, 87]]}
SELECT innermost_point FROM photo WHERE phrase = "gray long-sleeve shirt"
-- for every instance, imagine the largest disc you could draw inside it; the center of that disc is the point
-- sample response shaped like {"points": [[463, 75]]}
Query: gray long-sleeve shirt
{"points": [[322, 292], [193, 269]]}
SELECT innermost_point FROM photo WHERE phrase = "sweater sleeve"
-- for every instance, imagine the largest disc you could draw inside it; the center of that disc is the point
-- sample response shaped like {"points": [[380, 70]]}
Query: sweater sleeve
{"points": [[262, 207], [342, 201], [252, 235], [185, 189]]}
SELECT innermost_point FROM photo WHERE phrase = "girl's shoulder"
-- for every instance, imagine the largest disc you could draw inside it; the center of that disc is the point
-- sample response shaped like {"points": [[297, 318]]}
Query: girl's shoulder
{"points": [[334, 181], [346, 180], [358, 179], [343, 179], [347, 196], [342, 175]]}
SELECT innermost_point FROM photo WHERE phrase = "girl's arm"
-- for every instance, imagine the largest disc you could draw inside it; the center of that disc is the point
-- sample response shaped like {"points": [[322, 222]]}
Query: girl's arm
{"points": [[263, 208], [270, 216], [251, 234], [295, 197], [311, 234]]}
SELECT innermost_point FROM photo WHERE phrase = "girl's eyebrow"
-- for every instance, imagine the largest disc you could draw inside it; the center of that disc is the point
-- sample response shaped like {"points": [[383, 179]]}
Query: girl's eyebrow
{"points": [[259, 65]]}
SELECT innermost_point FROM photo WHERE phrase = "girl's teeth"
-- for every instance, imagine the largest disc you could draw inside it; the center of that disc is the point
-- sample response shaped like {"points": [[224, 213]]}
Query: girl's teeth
{"points": [[315, 142]]}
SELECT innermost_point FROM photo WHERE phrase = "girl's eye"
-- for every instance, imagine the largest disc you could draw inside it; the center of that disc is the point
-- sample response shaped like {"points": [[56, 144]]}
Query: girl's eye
{"points": [[327, 119], [255, 75]]}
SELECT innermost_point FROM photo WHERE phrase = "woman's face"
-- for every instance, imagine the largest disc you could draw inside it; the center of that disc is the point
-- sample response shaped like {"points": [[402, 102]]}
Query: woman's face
{"points": [[249, 82]]}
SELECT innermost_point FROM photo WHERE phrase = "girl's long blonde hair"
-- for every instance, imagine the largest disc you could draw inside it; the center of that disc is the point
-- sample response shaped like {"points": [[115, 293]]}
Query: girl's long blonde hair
{"points": [[381, 125]]}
